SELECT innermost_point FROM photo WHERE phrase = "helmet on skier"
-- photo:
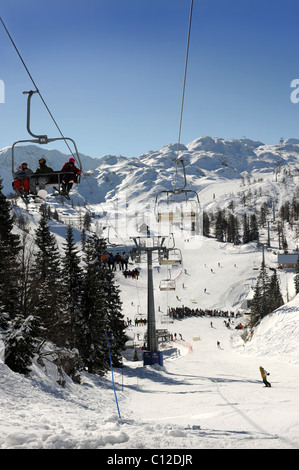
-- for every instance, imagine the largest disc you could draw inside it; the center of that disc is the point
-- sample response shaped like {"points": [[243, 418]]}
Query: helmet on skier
{"points": [[42, 160], [24, 164], [72, 160]]}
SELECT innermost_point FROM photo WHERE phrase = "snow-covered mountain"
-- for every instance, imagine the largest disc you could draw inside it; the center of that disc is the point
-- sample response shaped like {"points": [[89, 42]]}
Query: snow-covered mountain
{"points": [[139, 179]]}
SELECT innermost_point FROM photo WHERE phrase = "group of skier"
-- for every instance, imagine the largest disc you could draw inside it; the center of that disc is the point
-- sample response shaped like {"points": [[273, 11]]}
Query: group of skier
{"points": [[117, 260], [26, 180], [181, 312], [133, 273]]}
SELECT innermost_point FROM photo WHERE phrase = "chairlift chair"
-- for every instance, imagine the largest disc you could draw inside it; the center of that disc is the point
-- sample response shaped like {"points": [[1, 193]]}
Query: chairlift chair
{"points": [[55, 178], [140, 317], [167, 285], [167, 319], [171, 256], [178, 205]]}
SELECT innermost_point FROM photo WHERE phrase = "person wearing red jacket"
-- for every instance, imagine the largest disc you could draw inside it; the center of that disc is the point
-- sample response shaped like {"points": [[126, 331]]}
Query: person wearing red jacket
{"points": [[70, 176]]}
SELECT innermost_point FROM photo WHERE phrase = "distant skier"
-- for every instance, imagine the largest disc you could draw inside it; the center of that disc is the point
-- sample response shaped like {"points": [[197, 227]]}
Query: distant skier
{"points": [[218, 345], [264, 374]]}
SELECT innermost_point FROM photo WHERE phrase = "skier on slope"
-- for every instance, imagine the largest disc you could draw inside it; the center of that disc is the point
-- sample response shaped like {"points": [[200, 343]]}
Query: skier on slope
{"points": [[264, 374]]}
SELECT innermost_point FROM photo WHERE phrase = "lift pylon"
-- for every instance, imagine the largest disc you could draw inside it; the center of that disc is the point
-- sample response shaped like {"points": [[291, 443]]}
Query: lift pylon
{"points": [[148, 245]]}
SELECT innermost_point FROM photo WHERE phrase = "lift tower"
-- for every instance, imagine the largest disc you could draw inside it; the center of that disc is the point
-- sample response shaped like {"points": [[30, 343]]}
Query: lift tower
{"points": [[148, 245]]}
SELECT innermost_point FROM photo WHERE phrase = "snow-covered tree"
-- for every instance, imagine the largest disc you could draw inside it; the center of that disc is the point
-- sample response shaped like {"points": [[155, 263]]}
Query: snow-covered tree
{"points": [[9, 262], [92, 322], [73, 279], [296, 278], [246, 230], [21, 342], [220, 226], [112, 304], [275, 296], [253, 228], [47, 290], [261, 302]]}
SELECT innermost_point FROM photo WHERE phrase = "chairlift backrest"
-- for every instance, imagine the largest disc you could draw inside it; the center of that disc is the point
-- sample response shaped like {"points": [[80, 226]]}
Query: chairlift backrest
{"points": [[169, 204], [167, 285], [171, 256]]}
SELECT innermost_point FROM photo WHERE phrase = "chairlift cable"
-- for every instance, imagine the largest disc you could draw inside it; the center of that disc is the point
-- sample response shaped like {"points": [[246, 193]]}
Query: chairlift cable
{"points": [[51, 115], [35, 85], [45, 104], [56, 124], [181, 114], [184, 88]]}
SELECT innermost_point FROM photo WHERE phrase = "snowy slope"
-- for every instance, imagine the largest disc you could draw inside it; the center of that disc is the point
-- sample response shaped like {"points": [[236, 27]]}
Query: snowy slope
{"points": [[203, 397]]}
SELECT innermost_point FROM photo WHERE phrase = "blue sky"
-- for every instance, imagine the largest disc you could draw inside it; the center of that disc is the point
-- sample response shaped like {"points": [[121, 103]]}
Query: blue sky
{"points": [[111, 71]]}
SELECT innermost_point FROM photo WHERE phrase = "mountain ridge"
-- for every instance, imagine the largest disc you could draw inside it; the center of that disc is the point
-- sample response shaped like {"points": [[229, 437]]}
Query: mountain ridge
{"points": [[204, 157]]}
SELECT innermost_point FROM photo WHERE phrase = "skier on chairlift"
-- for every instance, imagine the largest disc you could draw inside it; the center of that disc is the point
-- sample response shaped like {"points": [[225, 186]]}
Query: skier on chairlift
{"points": [[44, 173], [70, 176], [23, 184]]}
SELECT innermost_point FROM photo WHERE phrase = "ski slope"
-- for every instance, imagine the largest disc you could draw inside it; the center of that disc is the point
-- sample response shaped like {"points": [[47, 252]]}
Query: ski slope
{"points": [[202, 397], [205, 398]]}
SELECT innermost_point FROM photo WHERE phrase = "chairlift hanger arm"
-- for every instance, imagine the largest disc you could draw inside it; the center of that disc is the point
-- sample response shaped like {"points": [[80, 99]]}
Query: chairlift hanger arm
{"points": [[40, 139], [185, 178], [43, 139]]}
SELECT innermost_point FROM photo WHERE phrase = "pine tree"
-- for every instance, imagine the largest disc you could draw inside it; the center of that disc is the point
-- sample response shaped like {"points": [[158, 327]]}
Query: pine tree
{"points": [[9, 280], [246, 231], [73, 279], [83, 239], [87, 221], [21, 342], [276, 299], [233, 235], [6, 224], [206, 224], [261, 301], [237, 238], [253, 229], [92, 343], [263, 214], [296, 278], [4, 318], [220, 226], [26, 257], [9, 262], [47, 292], [230, 228], [112, 305], [48, 255]]}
